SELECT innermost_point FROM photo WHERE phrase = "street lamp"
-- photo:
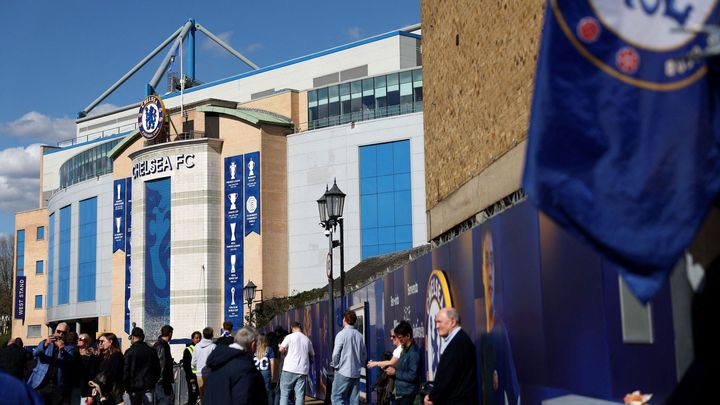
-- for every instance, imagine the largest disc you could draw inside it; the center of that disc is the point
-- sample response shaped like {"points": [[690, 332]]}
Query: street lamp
{"points": [[249, 296], [330, 207]]}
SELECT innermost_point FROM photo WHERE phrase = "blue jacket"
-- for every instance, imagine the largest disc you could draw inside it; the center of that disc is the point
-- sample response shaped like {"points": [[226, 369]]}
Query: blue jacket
{"points": [[14, 391], [65, 362], [407, 372]]}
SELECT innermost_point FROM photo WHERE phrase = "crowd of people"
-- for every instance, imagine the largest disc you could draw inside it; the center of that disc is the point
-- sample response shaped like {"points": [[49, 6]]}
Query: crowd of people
{"points": [[247, 368]]}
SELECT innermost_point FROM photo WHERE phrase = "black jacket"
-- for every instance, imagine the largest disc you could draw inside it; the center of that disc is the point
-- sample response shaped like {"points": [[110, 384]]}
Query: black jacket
{"points": [[109, 376], [142, 368], [233, 378], [162, 348], [87, 369], [456, 375], [13, 359]]}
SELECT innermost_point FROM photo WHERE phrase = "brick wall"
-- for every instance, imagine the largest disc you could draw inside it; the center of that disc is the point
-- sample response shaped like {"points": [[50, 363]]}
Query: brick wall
{"points": [[479, 61]]}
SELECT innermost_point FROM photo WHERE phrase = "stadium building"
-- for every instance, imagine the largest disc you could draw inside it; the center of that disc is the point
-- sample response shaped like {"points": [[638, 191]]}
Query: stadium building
{"points": [[162, 211]]}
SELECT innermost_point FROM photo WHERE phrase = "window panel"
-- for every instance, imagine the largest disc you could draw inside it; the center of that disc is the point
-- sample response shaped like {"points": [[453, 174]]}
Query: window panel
{"points": [[385, 159], [40, 232], [369, 207], [368, 161], [403, 207], [403, 234], [386, 210], [385, 184], [39, 267], [386, 235], [370, 236], [369, 251], [38, 302], [369, 186]]}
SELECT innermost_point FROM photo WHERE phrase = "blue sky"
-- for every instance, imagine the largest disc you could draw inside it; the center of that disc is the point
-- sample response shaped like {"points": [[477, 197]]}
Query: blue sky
{"points": [[56, 57]]}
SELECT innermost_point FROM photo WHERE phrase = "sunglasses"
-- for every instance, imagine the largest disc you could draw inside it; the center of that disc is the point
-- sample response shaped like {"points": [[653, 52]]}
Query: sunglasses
{"points": [[60, 331]]}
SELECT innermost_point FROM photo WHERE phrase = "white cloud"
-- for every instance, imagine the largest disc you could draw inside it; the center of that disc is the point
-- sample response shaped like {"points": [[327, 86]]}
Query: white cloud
{"points": [[102, 109], [210, 45], [253, 47], [37, 127], [19, 178], [354, 33]]}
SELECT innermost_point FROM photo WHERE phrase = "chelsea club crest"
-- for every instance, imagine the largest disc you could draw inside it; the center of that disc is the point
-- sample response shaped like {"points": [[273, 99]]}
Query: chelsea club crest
{"points": [[644, 43], [438, 297], [151, 117]]}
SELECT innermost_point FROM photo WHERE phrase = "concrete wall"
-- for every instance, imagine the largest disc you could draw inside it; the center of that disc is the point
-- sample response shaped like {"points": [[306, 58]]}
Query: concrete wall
{"points": [[315, 158], [479, 65], [36, 284]]}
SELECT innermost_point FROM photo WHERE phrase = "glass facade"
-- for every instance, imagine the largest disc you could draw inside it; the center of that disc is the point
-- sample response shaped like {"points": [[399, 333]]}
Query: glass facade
{"points": [[366, 99], [87, 250], [64, 256], [385, 198], [51, 259], [39, 267], [40, 232], [88, 164], [20, 259]]}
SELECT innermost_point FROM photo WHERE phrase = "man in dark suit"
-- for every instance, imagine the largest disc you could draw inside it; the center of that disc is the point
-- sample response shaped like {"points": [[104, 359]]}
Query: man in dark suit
{"points": [[455, 378]]}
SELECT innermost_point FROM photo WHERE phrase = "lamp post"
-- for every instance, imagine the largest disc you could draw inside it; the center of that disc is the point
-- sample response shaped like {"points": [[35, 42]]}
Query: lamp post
{"points": [[249, 296], [330, 207]]}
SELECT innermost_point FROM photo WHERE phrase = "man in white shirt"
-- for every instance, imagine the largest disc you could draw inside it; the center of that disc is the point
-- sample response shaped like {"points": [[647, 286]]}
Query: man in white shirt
{"points": [[298, 352]]}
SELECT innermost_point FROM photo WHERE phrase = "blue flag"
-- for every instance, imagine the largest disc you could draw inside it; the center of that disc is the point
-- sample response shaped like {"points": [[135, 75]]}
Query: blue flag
{"points": [[623, 139]]}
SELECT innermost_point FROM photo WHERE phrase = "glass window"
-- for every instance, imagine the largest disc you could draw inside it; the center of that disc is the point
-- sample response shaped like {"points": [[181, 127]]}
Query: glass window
{"points": [[40, 232], [39, 267], [385, 198], [322, 106], [38, 301], [368, 98], [345, 102], [406, 92], [380, 94], [87, 250], [33, 331], [356, 99], [333, 104], [393, 94], [20, 259]]}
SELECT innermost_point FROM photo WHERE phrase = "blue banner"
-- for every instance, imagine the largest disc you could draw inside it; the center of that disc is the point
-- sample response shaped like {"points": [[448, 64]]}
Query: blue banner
{"points": [[157, 254], [252, 193], [20, 285], [623, 139], [119, 206], [128, 249], [233, 274]]}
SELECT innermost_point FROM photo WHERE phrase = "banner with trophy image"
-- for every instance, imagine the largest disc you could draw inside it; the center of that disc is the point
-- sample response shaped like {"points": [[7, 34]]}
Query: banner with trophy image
{"points": [[252, 193], [119, 207], [234, 235]]}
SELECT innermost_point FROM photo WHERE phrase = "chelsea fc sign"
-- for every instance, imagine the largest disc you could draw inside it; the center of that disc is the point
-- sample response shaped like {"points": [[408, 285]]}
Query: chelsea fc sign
{"points": [[151, 117], [644, 43]]}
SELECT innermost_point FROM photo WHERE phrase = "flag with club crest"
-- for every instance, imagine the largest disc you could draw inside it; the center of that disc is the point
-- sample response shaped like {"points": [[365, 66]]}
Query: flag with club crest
{"points": [[624, 129]]}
